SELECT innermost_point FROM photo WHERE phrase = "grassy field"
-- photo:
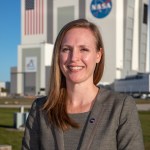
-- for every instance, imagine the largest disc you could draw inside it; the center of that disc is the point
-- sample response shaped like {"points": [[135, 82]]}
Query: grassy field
{"points": [[16, 101], [29, 100], [10, 136], [142, 101], [145, 121]]}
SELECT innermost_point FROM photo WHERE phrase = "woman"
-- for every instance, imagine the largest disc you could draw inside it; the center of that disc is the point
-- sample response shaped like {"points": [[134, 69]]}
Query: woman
{"points": [[77, 114]]}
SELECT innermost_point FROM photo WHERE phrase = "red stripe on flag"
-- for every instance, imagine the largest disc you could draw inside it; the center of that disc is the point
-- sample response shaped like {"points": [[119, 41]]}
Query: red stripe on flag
{"points": [[25, 23], [35, 16], [31, 22], [28, 29], [42, 16], [39, 18]]}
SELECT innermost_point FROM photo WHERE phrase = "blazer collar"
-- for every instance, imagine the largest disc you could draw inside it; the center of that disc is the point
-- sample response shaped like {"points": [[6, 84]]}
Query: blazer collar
{"points": [[93, 120], [92, 123], [59, 138]]}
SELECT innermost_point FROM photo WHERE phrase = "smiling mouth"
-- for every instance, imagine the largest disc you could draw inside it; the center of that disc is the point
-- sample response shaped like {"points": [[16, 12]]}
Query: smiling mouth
{"points": [[75, 68]]}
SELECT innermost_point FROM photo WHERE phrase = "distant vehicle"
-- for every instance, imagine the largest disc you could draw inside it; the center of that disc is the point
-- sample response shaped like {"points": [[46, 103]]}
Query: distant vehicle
{"points": [[136, 85]]}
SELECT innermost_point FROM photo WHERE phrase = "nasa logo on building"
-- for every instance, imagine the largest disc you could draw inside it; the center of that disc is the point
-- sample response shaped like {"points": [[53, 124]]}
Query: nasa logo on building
{"points": [[100, 8]]}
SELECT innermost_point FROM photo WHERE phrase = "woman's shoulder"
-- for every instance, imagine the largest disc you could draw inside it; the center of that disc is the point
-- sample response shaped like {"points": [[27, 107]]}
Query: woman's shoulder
{"points": [[39, 102], [117, 103], [111, 97]]}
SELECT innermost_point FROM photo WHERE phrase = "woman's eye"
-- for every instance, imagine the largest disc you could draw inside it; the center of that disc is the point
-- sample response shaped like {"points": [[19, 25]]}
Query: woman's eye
{"points": [[84, 49], [65, 50]]}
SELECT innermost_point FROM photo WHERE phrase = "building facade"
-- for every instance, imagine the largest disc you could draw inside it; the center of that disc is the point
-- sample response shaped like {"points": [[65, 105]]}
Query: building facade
{"points": [[35, 49], [123, 25], [4, 89], [124, 28]]}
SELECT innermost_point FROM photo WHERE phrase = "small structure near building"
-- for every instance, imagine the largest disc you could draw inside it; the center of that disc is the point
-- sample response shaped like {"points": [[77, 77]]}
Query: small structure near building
{"points": [[20, 118], [4, 88], [5, 147], [137, 85]]}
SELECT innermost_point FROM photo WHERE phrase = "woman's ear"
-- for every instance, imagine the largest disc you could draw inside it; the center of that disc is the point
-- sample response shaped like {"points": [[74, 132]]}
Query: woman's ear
{"points": [[99, 55]]}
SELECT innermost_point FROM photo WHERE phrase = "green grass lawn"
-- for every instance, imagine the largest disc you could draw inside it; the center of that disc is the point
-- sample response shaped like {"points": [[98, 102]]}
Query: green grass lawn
{"points": [[13, 137], [145, 122], [16, 101], [9, 135], [29, 100], [142, 101]]}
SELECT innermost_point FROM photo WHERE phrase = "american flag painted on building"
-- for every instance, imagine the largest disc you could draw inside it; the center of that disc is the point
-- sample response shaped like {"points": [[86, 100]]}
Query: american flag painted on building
{"points": [[34, 17]]}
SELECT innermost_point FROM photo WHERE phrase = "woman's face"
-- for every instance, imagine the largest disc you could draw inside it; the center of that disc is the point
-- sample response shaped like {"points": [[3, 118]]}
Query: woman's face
{"points": [[78, 55]]}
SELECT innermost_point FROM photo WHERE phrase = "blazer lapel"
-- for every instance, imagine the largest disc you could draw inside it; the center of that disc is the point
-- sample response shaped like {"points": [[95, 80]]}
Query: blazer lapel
{"points": [[93, 120], [59, 138], [92, 123]]}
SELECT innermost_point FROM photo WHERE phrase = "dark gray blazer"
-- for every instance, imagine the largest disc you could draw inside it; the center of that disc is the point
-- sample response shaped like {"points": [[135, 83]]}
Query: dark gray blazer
{"points": [[116, 126]]}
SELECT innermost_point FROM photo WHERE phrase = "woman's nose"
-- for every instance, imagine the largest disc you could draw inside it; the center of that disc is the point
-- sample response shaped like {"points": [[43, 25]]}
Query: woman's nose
{"points": [[75, 55]]}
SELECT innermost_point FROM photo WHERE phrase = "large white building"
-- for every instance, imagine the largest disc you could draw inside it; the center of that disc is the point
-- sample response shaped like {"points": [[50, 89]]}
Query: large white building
{"points": [[122, 23], [35, 49]]}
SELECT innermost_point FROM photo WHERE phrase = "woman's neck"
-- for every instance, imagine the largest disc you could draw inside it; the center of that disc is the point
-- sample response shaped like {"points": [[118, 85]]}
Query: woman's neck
{"points": [[80, 98]]}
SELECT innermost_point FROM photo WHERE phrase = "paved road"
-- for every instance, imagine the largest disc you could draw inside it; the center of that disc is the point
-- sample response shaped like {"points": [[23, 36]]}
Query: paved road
{"points": [[140, 107], [143, 107]]}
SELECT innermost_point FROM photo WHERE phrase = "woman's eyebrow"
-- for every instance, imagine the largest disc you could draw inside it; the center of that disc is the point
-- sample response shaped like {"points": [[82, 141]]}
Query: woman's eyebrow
{"points": [[67, 45]]}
